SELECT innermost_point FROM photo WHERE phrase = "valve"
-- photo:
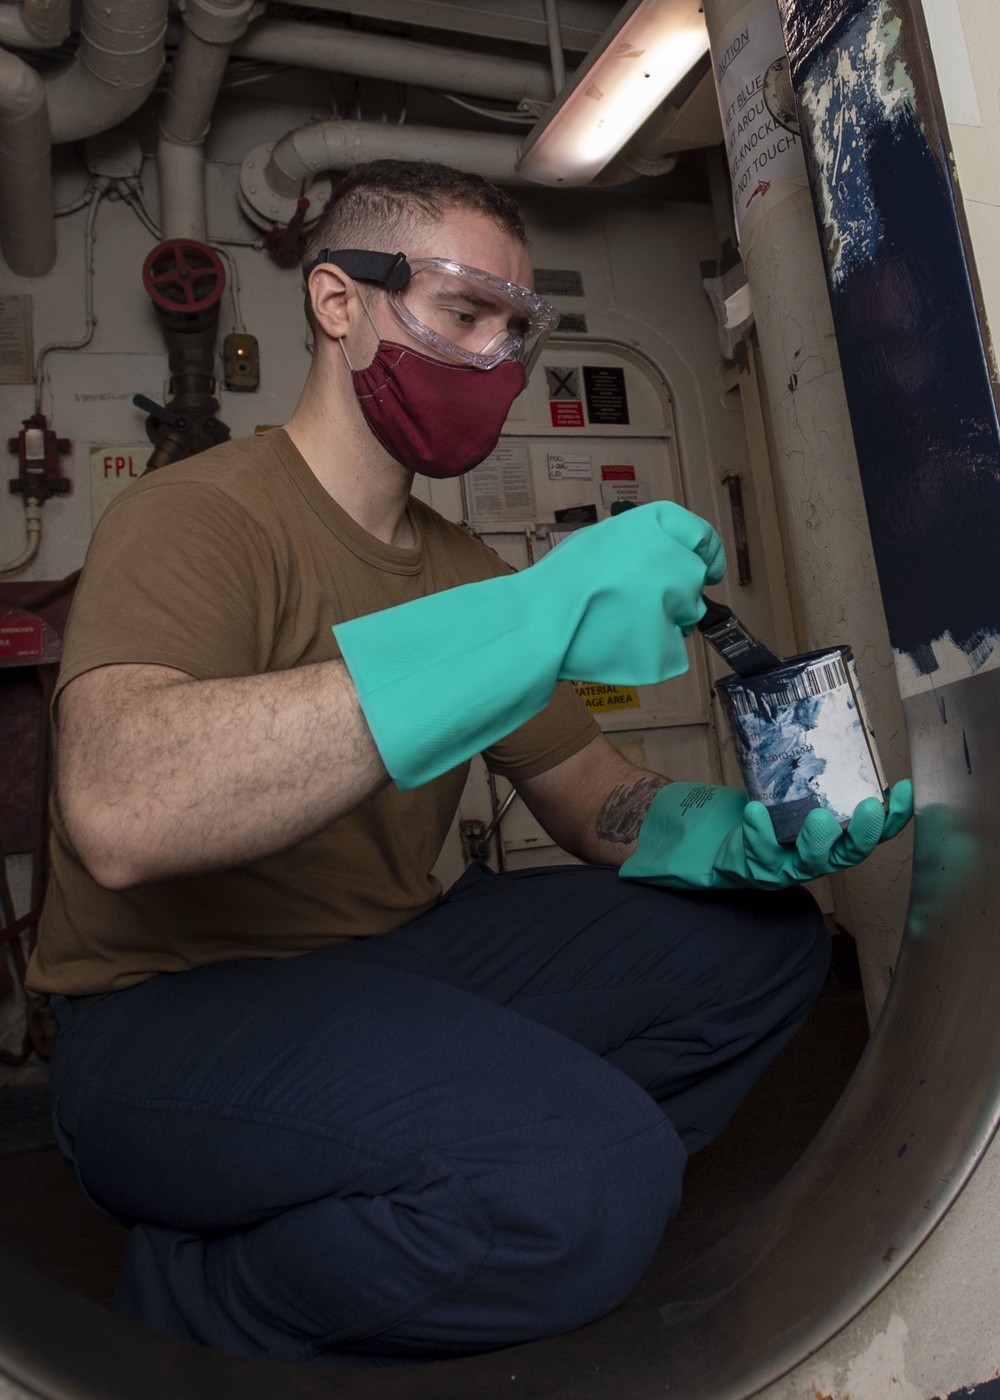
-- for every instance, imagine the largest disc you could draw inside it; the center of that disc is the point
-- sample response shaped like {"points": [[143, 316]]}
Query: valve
{"points": [[185, 280], [184, 277], [286, 243], [38, 451]]}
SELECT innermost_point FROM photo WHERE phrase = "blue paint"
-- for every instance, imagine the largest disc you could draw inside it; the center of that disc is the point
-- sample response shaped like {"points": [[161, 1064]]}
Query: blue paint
{"points": [[845, 95], [983, 1390], [801, 740], [915, 368]]}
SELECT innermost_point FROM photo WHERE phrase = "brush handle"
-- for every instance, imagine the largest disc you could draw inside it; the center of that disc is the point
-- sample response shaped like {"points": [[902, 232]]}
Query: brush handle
{"points": [[715, 613]]}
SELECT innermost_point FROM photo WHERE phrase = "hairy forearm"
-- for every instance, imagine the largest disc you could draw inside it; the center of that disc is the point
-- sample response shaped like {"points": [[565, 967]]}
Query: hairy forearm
{"points": [[160, 775], [593, 803]]}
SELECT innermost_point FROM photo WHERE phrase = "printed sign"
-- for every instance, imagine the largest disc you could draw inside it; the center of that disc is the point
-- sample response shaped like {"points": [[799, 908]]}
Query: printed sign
{"points": [[558, 281], [562, 383], [638, 492], [600, 699], [761, 151], [16, 361], [604, 386], [500, 487], [20, 635], [565, 465], [112, 467], [566, 414], [617, 473]]}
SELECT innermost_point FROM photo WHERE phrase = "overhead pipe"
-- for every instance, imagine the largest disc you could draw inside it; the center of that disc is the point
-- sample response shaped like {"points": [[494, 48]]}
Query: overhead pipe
{"points": [[351, 51], [338, 145], [268, 190], [211, 27], [34, 24], [113, 71], [27, 213]]}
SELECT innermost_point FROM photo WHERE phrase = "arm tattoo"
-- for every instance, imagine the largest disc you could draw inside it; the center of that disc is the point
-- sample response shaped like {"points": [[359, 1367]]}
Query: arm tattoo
{"points": [[624, 810]]}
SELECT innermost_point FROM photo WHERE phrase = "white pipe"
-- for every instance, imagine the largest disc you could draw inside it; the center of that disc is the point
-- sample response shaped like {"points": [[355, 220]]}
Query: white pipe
{"points": [[114, 69], [181, 174], [556, 56], [27, 213], [338, 145], [34, 24], [305, 45], [210, 29], [33, 525]]}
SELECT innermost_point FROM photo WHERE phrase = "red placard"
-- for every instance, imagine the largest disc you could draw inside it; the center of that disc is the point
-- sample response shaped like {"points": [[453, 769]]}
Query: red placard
{"points": [[618, 473], [566, 413], [20, 636]]}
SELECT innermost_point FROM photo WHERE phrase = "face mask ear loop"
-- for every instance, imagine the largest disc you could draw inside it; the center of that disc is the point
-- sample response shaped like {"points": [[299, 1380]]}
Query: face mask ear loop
{"points": [[343, 347], [364, 307]]}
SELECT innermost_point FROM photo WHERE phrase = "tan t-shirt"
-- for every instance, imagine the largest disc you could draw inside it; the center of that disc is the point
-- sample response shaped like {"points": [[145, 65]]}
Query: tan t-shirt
{"points": [[234, 563]]}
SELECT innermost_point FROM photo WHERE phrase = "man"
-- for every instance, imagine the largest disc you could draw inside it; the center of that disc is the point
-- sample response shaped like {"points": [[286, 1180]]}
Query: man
{"points": [[352, 1121]]}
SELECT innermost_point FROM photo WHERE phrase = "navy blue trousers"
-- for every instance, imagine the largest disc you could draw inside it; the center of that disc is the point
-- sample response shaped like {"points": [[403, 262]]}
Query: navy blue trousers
{"points": [[463, 1135]]}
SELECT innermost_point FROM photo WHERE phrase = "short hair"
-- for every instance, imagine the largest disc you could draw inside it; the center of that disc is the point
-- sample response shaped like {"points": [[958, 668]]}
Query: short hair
{"points": [[377, 206]]}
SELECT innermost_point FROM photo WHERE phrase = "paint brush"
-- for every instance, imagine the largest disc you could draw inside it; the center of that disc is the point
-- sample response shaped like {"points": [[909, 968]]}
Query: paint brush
{"points": [[734, 642]]}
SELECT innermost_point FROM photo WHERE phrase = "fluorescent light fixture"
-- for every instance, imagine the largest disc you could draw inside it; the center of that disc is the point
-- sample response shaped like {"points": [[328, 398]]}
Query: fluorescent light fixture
{"points": [[636, 64]]}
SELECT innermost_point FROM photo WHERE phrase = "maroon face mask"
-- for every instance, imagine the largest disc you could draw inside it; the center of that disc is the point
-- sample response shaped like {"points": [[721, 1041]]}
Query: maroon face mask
{"points": [[435, 418]]}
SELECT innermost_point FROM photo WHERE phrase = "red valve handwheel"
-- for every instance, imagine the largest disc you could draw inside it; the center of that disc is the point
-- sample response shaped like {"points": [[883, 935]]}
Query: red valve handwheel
{"points": [[183, 275]]}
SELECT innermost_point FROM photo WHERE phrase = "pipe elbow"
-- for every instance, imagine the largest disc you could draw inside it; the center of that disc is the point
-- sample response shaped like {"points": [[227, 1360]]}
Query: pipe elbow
{"points": [[115, 69], [22, 92]]}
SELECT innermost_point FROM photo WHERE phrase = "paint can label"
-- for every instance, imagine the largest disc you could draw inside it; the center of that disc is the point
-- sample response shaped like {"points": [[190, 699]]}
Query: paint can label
{"points": [[803, 738]]}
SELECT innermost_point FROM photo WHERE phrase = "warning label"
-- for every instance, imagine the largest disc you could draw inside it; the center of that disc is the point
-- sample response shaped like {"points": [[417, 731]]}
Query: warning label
{"points": [[563, 382], [600, 698], [20, 635], [566, 414], [604, 386], [759, 148]]}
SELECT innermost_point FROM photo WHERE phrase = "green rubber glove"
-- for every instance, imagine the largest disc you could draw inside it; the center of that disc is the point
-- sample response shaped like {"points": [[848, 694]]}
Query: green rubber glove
{"points": [[443, 677], [699, 837]]}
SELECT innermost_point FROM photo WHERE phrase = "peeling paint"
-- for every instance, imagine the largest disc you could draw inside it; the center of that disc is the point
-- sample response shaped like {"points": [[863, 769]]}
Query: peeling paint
{"points": [[858, 83], [877, 1373]]}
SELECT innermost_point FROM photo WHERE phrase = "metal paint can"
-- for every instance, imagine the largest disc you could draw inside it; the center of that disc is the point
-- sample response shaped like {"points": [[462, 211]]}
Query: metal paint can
{"points": [[803, 738]]}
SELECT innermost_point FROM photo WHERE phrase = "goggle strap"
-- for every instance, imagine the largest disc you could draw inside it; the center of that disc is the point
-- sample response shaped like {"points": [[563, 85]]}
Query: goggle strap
{"points": [[389, 270]]}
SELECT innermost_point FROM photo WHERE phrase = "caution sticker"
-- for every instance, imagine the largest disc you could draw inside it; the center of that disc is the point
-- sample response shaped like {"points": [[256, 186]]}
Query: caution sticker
{"points": [[602, 698]]}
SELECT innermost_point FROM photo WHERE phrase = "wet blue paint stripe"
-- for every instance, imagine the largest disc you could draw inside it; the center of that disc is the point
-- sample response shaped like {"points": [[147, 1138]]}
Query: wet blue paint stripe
{"points": [[915, 366]]}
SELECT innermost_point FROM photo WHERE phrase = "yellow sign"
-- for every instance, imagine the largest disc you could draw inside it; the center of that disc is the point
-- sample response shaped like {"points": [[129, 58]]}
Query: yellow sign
{"points": [[602, 698]]}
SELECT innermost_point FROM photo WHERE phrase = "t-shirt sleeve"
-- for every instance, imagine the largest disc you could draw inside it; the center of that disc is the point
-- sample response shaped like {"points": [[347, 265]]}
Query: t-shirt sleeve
{"points": [[175, 576], [562, 729]]}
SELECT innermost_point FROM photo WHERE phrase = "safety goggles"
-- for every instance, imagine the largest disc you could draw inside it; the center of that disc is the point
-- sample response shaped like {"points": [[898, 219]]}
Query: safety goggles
{"points": [[462, 314]]}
